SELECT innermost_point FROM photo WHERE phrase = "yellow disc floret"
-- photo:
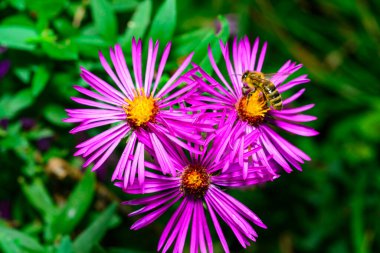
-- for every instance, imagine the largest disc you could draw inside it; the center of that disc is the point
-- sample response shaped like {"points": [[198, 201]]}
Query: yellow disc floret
{"points": [[194, 181], [140, 110], [252, 108]]}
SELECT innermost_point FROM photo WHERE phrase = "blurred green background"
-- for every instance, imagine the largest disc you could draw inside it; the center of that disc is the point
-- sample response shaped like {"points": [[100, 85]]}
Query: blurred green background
{"points": [[48, 204]]}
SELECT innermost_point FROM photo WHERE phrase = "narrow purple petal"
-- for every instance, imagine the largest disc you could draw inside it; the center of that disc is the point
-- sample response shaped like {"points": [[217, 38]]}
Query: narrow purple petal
{"points": [[102, 87], [276, 154], [296, 81], [161, 67], [184, 228], [184, 64], [91, 103], [151, 199], [217, 71], [122, 70], [96, 96], [297, 109], [93, 125], [136, 59], [148, 219], [150, 66], [262, 57], [217, 225], [110, 72], [295, 128], [173, 220], [296, 118], [254, 54], [135, 162], [285, 144], [293, 97], [122, 164], [236, 82]]}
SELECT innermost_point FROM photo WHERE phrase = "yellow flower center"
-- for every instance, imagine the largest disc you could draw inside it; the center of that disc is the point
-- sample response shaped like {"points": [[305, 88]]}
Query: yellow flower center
{"points": [[252, 108], [140, 110], [194, 181]]}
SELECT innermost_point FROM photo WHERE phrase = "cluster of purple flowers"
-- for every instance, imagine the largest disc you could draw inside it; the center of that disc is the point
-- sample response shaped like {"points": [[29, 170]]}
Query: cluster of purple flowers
{"points": [[190, 136]]}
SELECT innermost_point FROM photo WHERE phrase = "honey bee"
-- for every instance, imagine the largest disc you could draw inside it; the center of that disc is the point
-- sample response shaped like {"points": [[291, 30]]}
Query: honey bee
{"points": [[256, 80]]}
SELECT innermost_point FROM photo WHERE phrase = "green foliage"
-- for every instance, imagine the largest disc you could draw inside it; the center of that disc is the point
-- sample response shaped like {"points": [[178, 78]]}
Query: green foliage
{"points": [[138, 24], [77, 204], [40, 80], [332, 206], [12, 240], [105, 19], [12, 104], [17, 37], [92, 235], [164, 22], [37, 195]]}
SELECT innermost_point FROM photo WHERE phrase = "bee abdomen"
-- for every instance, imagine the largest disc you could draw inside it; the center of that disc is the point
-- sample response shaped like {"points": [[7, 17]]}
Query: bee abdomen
{"points": [[277, 106], [275, 100]]}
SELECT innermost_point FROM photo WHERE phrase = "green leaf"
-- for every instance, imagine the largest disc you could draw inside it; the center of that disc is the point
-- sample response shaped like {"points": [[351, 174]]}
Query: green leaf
{"points": [[55, 114], [122, 5], [66, 246], [17, 37], [11, 104], [105, 19], [66, 50], [89, 45], [38, 196], [17, 20], [164, 22], [45, 9], [188, 42], [9, 246], [125, 250], [12, 240], [23, 74], [39, 80], [13, 139], [64, 27], [214, 44], [138, 24], [18, 4], [98, 249], [94, 233], [369, 125], [75, 208]]}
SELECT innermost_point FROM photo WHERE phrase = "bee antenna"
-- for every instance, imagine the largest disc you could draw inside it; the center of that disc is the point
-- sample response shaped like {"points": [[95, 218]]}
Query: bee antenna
{"points": [[235, 74]]}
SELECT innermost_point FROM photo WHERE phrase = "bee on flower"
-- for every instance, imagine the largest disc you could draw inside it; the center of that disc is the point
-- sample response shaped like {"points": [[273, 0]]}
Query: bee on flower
{"points": [[261, 108]]}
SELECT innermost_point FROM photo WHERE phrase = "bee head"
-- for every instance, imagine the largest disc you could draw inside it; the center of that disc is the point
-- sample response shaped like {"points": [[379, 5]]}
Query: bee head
{"points": [[245, 75]]}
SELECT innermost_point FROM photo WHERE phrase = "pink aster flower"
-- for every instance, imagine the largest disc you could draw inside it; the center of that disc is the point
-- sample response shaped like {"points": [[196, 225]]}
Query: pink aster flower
{"points": [[197, 188], [138, 110], [254, 110], [4, 65]]}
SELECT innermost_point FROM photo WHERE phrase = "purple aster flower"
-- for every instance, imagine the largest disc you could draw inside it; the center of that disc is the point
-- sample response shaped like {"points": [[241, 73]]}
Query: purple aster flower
{"points": [[5, 209], [4, 123], [140, 111], [5, 64], [27, 123], [252, 109], [4, 67], [198, 187]]}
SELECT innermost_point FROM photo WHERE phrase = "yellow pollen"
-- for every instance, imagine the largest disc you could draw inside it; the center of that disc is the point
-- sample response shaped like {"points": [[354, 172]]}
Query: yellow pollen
{"points": [[252, 108], [194, 181], [140, 110]]}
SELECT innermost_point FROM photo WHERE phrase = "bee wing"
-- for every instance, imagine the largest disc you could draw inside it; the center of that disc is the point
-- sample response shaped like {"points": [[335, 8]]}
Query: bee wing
{"points": [[271, 76], [235, 74]]}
